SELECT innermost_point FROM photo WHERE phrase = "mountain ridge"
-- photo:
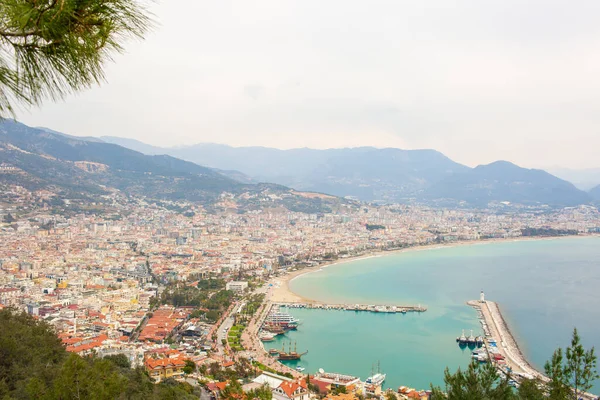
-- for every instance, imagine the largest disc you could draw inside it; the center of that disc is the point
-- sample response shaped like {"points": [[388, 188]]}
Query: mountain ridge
{"points": [[584, 179], [395, 176], [504, 181], [75, 166], [385, 174], [595, 193]]}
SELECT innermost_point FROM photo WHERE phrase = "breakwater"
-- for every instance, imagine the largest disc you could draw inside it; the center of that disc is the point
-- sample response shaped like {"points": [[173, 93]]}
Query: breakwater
{"points": [[389, 309], [497, 331]]}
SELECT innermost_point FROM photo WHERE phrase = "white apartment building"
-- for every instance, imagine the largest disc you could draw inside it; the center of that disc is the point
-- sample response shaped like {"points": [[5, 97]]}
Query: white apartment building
{"points": [[236, 286]]}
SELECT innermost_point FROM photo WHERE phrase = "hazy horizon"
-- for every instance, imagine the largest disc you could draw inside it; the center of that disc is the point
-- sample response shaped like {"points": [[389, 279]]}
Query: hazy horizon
{"points": [[545, 167], [476, 81]]}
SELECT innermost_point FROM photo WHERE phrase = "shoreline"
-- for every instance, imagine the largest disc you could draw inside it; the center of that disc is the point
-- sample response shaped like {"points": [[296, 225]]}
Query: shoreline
{"points": [[282, 293]]}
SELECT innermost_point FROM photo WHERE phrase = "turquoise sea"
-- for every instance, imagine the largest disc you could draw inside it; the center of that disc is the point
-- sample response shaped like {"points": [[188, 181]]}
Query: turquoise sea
{"points": [[544, 287]]}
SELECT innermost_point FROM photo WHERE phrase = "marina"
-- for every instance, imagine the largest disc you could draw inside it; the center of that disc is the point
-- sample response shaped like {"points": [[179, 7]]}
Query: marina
{"points": [[429, 338], [276, 323]]}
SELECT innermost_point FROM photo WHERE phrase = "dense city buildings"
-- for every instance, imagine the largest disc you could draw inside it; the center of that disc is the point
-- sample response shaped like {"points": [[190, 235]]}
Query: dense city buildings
{"points": [[150, 282]]}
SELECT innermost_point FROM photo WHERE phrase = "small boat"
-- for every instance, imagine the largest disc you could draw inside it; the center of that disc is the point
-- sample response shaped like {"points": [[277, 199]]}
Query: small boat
{"points": [[471, 339], [291, 326], [266, 336], [274, 352], [300, 369]]}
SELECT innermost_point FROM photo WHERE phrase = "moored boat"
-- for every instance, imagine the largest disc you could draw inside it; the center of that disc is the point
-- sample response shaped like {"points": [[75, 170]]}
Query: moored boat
{"points": [[377, 378], [471, 339], [462, 339], [282, 319], [266, 336], [273, 328], [290, 355]]}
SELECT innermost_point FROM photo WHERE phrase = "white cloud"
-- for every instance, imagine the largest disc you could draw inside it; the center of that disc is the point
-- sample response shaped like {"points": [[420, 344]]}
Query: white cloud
{"points": [[476, 80]]}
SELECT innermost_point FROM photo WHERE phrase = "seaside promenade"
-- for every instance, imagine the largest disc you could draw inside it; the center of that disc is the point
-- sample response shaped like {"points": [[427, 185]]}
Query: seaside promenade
{"points": [[254, 346]]}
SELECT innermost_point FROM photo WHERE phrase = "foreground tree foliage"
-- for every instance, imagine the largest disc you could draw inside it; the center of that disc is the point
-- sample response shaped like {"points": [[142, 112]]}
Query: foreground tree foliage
{"points": [[478, 382], [49, 48], [35, 365], [570, 377]]}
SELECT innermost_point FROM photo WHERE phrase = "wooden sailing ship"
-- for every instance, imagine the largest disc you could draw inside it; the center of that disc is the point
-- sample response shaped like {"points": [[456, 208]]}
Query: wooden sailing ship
{"points": [[273, 328], [290, 355]]}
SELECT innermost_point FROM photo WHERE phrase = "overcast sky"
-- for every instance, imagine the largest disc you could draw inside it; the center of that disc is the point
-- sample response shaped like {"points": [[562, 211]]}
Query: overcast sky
{"points": [[476, 80]]}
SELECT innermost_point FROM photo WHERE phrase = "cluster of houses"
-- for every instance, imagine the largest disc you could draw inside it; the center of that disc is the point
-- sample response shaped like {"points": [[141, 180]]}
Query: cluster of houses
{"points": [[325, 385]]}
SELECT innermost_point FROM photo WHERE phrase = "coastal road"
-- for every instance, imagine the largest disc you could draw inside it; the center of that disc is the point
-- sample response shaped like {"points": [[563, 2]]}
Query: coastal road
{"points": [[223, 329]]}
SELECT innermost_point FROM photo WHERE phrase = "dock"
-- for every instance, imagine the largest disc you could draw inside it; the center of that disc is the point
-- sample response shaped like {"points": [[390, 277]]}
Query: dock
{"points": [[385, 309], [496, 331]]}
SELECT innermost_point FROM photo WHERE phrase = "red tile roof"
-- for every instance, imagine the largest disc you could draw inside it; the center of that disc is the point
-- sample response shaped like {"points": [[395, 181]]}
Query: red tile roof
{"points": [[290, 387]]}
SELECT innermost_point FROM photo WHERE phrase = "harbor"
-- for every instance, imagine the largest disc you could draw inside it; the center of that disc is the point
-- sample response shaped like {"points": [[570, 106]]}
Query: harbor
{"points": [[376, 281], [275, 318], [275, 321], [492, 342]]}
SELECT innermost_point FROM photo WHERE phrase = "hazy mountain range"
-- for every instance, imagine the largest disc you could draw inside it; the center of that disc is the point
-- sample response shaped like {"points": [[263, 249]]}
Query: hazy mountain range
{"points": [[387, 175], [595, 193], [77, 167], [584, 179], [203, 172]]}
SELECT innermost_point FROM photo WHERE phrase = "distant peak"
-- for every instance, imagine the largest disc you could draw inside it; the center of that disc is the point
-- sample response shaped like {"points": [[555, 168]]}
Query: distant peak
{"points": [[498, 164]]}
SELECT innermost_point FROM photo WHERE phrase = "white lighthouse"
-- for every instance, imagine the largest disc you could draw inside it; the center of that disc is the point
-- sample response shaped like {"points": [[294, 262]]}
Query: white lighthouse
{"points": [[482, 297]]}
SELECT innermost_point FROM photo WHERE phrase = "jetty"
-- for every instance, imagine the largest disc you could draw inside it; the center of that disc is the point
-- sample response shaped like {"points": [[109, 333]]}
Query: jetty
{"points": [[498, 339], [389, 309], [502, 347]]}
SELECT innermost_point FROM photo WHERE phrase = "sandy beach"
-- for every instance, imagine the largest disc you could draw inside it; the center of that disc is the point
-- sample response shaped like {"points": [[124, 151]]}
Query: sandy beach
{"points": [[281, 292]]}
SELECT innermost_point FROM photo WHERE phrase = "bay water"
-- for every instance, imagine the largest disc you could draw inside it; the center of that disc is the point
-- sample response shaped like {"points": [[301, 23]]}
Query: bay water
{"points": [[544, 288]]}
